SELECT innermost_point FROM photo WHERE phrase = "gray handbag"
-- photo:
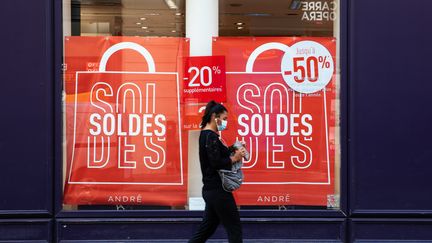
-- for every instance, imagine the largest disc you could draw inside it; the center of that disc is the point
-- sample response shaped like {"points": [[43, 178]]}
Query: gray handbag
{"points": [[232, 179]]}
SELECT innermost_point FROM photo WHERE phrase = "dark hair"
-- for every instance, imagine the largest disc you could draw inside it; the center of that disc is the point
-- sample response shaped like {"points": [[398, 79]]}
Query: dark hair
{"points": [[211, 107]]}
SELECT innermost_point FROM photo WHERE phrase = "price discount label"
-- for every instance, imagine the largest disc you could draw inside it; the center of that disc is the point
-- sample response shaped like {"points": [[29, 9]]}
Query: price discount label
{"points": [[308, 67], [204, 78]]}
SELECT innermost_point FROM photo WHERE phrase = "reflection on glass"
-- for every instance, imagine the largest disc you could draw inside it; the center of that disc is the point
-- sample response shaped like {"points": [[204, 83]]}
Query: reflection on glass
{"points": [[166, 18]]}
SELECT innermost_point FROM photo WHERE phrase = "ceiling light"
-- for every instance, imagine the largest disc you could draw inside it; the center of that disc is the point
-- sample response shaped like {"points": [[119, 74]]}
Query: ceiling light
{"points": [[144, 27], [173, 31], [258, 14], [143, 18], [239, 23], [178, 14], [171, 4], [138, 23], [240, 27], [295, 4]]}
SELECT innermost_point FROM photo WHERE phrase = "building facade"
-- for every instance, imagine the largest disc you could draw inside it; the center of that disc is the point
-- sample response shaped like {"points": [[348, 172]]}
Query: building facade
{"points": [[367, 177]]}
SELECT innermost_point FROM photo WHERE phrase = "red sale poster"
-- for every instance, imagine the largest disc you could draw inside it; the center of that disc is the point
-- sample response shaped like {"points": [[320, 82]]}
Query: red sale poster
{"points": [[204, 79], [281, 95], [123, 134]]}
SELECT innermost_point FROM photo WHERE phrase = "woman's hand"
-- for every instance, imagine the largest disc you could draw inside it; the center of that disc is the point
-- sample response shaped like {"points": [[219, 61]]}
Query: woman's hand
{"points": [[237, 156], [242, 151]]}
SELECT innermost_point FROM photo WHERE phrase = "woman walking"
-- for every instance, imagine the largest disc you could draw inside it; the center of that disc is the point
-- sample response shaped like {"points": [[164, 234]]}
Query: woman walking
{"points": [[215, 155]]}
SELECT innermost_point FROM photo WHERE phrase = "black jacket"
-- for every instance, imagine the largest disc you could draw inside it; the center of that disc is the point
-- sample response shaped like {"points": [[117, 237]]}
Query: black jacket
{"points": [[214, 155]]}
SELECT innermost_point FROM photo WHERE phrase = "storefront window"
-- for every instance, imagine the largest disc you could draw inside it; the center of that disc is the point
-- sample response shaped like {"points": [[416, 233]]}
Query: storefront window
{"points": [[135, 83]]}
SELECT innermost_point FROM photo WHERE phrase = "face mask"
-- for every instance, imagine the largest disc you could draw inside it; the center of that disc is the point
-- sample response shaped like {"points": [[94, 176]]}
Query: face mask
{"points": [[222, 126]]}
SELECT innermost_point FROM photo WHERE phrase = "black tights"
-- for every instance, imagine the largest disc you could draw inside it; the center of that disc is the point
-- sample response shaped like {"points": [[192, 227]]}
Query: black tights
{"points": [[220, 208]]}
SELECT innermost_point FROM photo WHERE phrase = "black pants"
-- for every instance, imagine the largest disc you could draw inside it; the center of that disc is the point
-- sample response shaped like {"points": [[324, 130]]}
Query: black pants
{"points": [[220, 208]]}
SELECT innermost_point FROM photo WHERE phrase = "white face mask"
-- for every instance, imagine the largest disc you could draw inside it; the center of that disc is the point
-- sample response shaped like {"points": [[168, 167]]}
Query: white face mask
{"points": [[222, 126]]}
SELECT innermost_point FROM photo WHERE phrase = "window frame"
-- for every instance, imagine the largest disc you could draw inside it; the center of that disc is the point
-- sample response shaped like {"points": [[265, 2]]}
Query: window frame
{"points": [[248, 213]]}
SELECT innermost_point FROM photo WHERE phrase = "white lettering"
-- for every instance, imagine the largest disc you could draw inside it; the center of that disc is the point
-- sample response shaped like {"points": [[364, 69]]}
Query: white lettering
{"points": [[119, 126], [279, 122], [110, 124], [274, 198], [244, 125], [136, 124], [158, 121], [125, 198], [258, 124], [146, 125], [256, 129], [319, 11], [134, 119], [94, 123], [305, 123], [294, 124]]}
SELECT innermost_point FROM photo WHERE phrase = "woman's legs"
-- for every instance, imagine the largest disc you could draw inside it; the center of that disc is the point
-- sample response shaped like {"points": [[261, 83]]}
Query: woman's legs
{"points": [[226, 209], [220, 207], [208, 225]]}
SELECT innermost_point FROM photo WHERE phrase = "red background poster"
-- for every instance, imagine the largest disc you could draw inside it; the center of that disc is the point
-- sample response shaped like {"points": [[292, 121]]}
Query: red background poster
{"points": [[290, 135], [204, 79], [123, 132]]}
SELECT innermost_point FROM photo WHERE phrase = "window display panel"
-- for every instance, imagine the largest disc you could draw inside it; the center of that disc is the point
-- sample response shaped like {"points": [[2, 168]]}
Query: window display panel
{"points": [[134, 96]]}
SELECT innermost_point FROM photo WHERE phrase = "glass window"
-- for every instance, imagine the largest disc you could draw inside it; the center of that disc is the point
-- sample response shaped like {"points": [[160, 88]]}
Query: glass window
{"points": [[132, 102]]}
